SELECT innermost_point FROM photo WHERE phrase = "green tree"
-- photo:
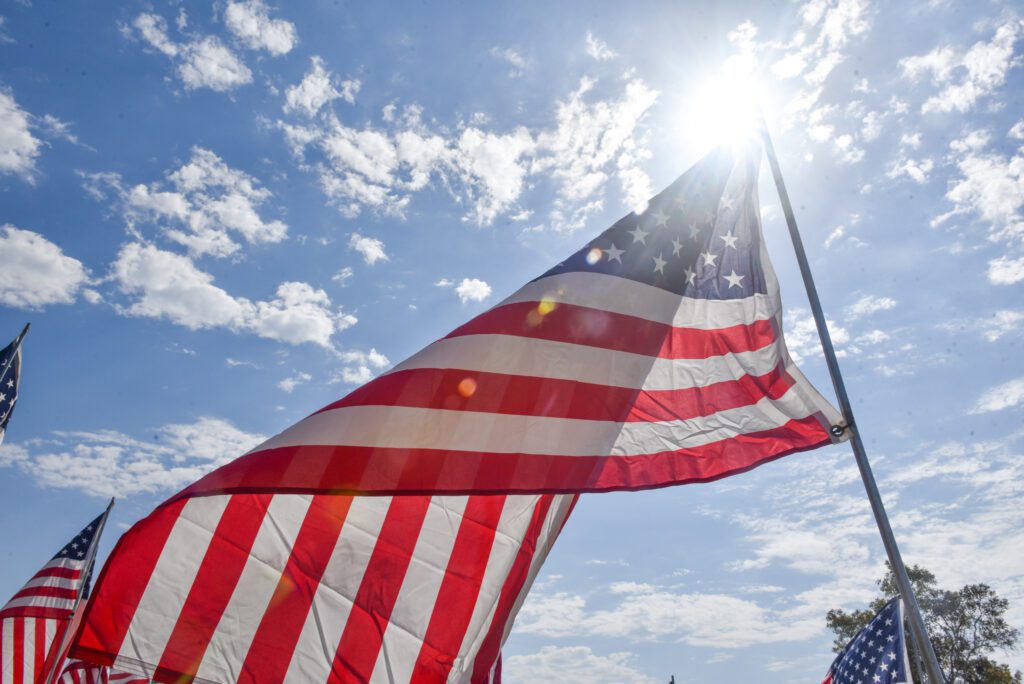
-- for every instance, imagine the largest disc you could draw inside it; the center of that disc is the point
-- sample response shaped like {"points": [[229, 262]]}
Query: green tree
{"points": [[966, 626]]}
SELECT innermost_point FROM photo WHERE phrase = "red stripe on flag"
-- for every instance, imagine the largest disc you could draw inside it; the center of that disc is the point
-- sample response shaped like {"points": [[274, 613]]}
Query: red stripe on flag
{"points": [[459, 589], [273, 645], [39, 643], [421, 471], [46, 592], [597, 328], [121, 584], [491, 647], [18, 658], [64, 573], [461, 390], [360, 642], [214, 584]]}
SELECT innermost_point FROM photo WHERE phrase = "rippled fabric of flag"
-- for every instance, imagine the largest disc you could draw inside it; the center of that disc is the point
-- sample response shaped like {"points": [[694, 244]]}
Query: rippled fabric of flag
{"points": [[652, 356]]}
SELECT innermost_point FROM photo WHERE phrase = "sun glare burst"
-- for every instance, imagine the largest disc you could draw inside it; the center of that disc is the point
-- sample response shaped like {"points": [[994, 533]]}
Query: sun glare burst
{"points": [[724, 109]]}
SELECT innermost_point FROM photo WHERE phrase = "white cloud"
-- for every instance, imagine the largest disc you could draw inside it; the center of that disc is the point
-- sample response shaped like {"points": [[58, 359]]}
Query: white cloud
{"points": [[109, 463], [801, 335], [491, 168], [1005, 271], [869, 304], [592, 143], [1017, 131], [167, 285], [318, 89], [202, 63], [1001, 323], [343, 276], [990, 186], [372, 249], [573, 665], [981, 69], [250, 22], [510, 57], [713, 620], [19, 149], [915, 170], [472, 290], [34, 272], [208, 63], [1000, 397], [445, 282], [598, 49], [201, 206], [361, 367], [289, 384]]}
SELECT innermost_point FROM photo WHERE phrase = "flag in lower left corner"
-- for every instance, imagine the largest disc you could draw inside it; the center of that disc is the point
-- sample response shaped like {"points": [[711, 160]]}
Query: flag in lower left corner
{"points": [[33, 622]]}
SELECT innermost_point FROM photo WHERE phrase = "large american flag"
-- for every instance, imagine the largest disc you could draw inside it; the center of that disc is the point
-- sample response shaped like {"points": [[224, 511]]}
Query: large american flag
{"points": [[10, 374], [652, 356], [33, 621], [877, 655]]}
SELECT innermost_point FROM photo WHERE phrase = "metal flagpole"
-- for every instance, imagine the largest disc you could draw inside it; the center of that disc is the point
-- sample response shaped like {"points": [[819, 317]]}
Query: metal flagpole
{"points": [[917, 629], [90, 559], [17, 345]]}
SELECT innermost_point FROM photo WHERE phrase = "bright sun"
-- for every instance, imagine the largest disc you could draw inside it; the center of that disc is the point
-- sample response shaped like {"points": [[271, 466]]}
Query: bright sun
{"points": [[724, 109]]}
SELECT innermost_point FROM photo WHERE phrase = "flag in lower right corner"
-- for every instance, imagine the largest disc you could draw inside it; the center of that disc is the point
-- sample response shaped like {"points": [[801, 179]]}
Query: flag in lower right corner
{"points": [[877, 655]]}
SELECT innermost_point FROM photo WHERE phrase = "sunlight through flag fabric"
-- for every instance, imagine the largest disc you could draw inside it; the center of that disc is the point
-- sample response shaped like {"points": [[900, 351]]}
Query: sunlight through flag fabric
{"points": [[328, 588], [878, 654], [33, 621], [654, 355]]}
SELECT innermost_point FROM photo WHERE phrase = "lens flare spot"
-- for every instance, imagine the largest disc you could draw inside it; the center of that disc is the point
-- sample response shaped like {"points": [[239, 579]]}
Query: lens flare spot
{"points": [[467, 387], [546, 306], [594, 255]]}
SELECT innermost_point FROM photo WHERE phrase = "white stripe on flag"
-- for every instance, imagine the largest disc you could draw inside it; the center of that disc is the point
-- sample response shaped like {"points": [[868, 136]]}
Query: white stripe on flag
{"points": [[408, 427], [512, 525], [332, 602], [416, 600], [29, 649], [527, 356], [180, 559], [270, 551]]}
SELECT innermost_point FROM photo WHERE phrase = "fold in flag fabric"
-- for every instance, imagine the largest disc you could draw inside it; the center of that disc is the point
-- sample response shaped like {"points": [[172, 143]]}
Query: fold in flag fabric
{"points": [[878, 654], [652, 356], [326, 588], [33, 622]]}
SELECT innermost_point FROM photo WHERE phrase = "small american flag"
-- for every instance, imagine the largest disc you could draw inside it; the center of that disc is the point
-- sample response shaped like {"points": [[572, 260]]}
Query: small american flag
{"points": [[10, 373], [877, 655], [34, 620]]}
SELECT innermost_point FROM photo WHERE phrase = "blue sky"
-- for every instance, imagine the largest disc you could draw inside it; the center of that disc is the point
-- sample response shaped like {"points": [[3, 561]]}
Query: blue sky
{"points": [[220, 218]]}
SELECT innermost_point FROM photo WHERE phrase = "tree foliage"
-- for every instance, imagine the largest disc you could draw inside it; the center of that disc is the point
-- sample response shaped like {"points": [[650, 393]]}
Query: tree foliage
{"points": [[965, 626]]}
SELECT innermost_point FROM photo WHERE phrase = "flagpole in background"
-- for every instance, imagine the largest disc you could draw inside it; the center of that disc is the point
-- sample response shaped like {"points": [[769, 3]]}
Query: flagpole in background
{"points": [[90, 559], [918, 633]]}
